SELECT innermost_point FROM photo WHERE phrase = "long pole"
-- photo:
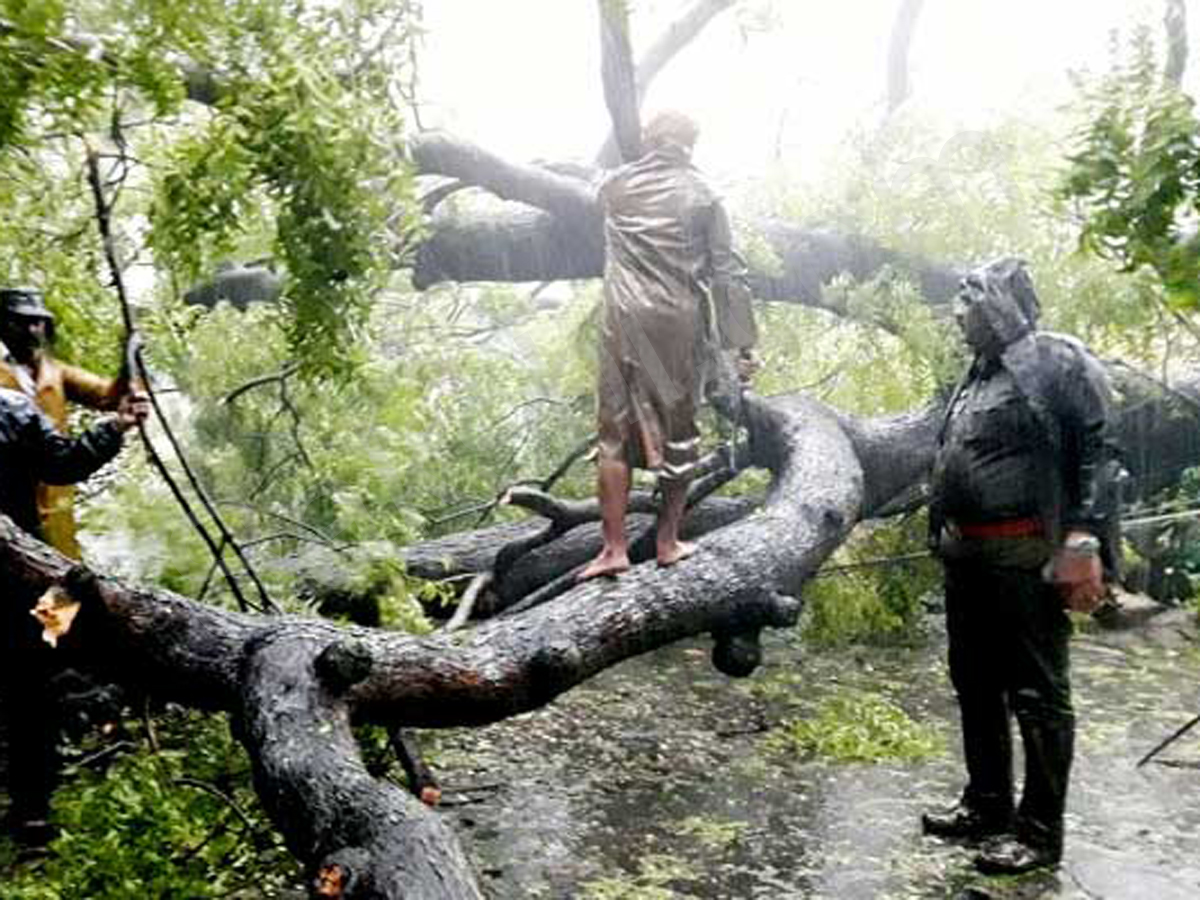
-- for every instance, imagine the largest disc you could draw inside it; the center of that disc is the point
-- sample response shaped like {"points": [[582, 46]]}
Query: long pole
{"points": [[137, 368]]}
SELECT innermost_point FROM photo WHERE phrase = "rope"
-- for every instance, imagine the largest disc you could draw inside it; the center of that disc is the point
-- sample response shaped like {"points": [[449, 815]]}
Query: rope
{"points": [[841, 568]]}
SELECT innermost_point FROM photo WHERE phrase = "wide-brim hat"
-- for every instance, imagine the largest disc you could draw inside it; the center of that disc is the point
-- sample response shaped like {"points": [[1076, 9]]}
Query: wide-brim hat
{"points": [[23, 301]]}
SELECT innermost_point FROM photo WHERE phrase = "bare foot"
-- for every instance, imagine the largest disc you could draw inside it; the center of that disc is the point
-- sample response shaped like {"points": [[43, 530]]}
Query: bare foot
{"points": [[668, 556], [607, 563]]}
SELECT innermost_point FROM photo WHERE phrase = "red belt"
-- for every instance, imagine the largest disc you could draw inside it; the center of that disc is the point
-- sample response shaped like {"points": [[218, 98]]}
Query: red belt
{"points": [[1031, 526]]}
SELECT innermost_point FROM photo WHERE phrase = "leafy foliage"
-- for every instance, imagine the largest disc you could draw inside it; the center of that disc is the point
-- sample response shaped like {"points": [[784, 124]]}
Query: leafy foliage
{"points": [[1134, 179], [433, 425], [853, 726], [877, 599], [174, 819], [294, 158]]}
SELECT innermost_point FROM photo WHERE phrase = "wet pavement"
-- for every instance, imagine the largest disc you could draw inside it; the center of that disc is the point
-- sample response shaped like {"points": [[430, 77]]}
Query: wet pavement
{"points": [[662, 779]]}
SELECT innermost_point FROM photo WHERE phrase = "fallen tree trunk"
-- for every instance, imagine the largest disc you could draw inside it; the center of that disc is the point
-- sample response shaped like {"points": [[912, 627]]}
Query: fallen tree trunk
{"points": [[1158, 430], [552, 231], [295, 684]]}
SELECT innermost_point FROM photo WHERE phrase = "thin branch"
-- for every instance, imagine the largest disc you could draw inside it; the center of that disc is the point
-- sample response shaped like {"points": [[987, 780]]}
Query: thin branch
{"points": [[219, 794], [272, 378], [466, 604], [434, 196], [577, 453], [282, 517]]}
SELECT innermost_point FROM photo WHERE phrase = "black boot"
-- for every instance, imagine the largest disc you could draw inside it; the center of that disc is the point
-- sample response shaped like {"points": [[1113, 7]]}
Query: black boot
{"points": [[1012, 855], [967, 821]]}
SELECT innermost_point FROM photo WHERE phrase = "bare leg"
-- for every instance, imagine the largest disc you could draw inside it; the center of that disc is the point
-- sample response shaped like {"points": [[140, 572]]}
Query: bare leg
{"points": [[669, 548], [612, 482]]}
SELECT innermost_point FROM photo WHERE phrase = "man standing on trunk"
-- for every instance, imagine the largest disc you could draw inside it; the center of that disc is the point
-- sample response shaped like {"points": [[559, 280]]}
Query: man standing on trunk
{"points": [[670, 282], [1021, 514], [26, 331]]}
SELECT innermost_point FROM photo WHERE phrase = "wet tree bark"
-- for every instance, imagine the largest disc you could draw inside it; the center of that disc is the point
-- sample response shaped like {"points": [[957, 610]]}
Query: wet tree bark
{"points": [[617, 71], [294, 685], [556, 234], [1175, 20], [899, 52]]}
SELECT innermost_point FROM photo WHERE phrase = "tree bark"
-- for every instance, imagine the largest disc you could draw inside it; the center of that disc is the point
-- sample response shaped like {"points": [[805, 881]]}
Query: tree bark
{"points": [[1175, 21], [899, 49], [677, 35], [617, 73], [557, 235], [294, 684]]}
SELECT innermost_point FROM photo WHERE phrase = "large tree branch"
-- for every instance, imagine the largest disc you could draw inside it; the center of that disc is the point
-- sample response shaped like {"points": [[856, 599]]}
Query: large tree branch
{"points": [[899, 49], [1175, 20], [620, 80], [674, 38], [561, 236], [295, 684], [439, 153]]}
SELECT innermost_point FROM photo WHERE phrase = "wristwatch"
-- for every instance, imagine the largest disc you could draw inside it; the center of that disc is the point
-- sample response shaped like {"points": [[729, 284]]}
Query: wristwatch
{"points": [[1083, 543]]}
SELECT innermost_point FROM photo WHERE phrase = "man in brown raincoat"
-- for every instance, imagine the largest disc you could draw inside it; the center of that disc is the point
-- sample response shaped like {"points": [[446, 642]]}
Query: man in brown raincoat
{"points": [[26, 329], [670, 287]]}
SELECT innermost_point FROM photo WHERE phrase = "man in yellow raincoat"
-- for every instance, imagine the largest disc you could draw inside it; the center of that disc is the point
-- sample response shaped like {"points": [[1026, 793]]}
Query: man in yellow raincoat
{"points": [[26, 330]]}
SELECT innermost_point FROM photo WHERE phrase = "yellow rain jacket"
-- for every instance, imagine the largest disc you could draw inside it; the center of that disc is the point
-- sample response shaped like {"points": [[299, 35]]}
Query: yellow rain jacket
{"points": [[51, 386]]}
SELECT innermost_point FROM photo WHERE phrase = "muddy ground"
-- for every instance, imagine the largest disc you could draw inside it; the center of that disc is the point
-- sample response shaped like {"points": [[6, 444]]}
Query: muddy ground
{"points": [[661, 779]]}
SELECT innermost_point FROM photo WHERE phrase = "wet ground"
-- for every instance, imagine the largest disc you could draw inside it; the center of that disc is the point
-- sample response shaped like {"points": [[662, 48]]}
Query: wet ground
{"points": [[659, 780]]}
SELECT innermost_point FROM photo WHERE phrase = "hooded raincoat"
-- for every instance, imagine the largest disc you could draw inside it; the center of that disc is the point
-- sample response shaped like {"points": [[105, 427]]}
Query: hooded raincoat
{"points": [[672, 289], [1025, 455]]}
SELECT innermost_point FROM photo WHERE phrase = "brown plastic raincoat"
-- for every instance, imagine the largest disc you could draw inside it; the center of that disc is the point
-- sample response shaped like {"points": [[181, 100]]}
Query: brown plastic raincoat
{"points": [[671, 290], [50, 387]]}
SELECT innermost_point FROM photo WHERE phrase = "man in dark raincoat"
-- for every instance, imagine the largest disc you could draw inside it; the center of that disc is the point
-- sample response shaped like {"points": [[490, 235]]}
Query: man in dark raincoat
{"points": [[32, 452], [670, 286], [1024, 497]]}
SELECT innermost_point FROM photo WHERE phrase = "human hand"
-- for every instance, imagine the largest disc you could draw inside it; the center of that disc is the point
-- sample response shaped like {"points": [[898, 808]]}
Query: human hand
{"points": [[1077, 572], [132, 409], [746, 365]]}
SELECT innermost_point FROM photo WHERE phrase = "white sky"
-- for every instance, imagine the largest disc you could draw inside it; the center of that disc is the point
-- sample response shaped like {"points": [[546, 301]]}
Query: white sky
{"points": [[521, 77]]}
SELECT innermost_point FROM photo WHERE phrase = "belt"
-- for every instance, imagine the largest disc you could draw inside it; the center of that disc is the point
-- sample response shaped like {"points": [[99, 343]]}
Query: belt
{"points": [[1030, 526]]}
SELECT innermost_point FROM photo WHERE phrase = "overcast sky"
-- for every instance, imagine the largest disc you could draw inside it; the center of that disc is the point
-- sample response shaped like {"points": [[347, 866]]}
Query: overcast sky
{"points": [[521, 77]]}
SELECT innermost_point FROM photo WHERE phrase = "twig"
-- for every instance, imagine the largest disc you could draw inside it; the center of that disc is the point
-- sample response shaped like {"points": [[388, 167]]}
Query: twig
{"points": [[151, 732], [1164, 744], [274, 377], [297, 523], [421, 781], [577, 453], [220, 794], [466, 605], [104, 753]]}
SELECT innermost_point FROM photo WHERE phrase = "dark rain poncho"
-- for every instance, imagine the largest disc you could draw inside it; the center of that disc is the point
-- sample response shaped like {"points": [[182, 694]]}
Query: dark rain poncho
{"points": [[667, 256]]}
